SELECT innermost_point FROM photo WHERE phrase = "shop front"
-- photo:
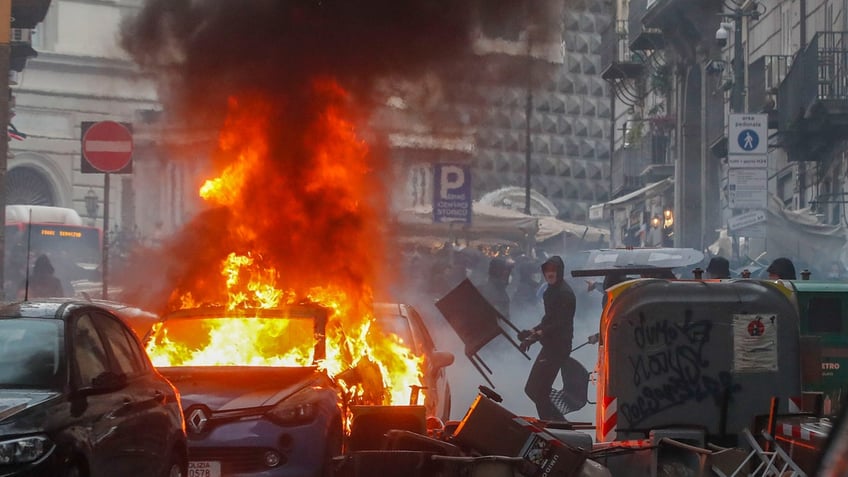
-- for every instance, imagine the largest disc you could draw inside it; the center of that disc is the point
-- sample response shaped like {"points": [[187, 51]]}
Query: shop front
{"points": [[642, 218]]}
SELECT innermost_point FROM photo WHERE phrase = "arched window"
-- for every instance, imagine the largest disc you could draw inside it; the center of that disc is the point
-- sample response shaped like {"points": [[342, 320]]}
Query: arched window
{"points": [[28, 186]]}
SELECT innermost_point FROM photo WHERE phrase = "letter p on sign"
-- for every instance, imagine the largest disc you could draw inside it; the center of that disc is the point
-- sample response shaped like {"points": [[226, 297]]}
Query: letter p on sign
{"points": [[452, 193], [453, 177]]}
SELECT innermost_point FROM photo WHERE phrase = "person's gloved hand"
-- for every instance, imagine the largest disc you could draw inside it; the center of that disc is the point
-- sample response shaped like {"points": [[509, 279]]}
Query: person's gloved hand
{"points": [[524, 346], [524, 335], [594, 338]]}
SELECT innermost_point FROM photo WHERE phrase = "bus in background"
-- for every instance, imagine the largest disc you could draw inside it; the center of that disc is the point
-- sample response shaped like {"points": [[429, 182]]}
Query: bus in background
{"points": [[74, 249]]}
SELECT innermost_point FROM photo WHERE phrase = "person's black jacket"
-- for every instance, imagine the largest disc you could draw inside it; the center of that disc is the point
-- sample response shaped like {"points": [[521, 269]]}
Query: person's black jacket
{"points": [[557, 324]]}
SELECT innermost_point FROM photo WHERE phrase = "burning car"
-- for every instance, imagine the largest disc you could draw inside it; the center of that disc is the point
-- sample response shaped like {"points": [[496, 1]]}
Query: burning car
{"points": [[404, 321], [255, 399]]}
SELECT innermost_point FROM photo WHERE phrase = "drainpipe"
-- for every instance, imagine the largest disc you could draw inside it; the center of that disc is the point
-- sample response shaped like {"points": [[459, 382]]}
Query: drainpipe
{"points": [[705, 156], [5, 52], [802, 166], [802, 13]]}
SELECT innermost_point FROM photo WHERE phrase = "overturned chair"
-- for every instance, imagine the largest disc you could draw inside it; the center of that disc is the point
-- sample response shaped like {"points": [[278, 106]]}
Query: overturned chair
{"points": [[476, 322]]}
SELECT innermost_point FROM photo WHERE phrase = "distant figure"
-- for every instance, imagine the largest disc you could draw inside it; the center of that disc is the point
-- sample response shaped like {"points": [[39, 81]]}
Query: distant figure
{"points": [[42, 282], [525, 300], [718, 268], [781, 269], [494, 290]]}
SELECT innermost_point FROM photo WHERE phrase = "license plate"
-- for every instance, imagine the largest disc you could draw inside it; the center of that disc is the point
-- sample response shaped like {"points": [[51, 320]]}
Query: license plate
{"points": [[204, 468]]}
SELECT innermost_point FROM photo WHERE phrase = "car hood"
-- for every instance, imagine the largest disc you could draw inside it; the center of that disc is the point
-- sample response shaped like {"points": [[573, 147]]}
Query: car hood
{"points": [[12, 402], [225, 388]]}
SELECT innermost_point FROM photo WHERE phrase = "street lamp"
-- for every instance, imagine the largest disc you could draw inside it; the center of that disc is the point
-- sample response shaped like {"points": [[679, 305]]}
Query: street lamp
{"points": [[91, 203]]}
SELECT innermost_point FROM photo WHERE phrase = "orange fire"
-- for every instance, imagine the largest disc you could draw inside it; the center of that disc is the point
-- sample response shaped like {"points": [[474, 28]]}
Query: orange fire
{"points": [[303, 224]]}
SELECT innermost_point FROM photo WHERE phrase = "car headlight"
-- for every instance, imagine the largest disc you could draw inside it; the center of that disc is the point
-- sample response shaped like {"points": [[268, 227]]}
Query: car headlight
{"points": [[24, 450], [300, 408]]}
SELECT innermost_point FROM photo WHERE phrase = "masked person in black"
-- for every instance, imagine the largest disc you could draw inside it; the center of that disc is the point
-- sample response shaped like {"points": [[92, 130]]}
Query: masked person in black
{"points": [[555, 333]]}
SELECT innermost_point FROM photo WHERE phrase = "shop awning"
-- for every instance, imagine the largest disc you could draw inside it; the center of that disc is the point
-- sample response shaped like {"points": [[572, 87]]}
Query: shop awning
{"points": [[599, 211]]}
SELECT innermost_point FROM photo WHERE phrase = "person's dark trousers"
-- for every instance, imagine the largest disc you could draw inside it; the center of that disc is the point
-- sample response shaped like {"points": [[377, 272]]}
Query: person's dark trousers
{"points": [[542, 375]]}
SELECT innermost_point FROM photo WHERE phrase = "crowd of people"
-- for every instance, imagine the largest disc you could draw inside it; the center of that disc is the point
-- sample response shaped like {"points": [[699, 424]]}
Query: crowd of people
{"points": [[537, 293]]}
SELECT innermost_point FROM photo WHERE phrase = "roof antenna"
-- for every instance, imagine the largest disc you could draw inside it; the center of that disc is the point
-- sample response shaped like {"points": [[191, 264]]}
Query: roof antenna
{"points": [[29, 244]]}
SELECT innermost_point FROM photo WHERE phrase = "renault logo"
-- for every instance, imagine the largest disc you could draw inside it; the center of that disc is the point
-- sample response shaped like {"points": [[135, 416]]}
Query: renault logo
{"points": [[197, 420]]}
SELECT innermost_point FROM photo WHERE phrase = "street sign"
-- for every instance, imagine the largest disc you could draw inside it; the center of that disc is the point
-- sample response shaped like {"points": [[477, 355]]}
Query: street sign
{"points": [[107, 146], [747, 134], [452, 193], [747, 160], [747, 219], [747, 188], [752, 231]]}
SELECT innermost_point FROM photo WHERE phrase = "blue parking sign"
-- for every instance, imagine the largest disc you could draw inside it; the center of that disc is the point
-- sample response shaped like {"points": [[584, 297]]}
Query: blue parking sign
{"points": [[452, 193]]}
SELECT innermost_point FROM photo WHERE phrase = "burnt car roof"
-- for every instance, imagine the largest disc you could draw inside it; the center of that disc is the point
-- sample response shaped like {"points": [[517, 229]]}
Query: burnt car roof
{"points": [[57, 308], [289, 311]]}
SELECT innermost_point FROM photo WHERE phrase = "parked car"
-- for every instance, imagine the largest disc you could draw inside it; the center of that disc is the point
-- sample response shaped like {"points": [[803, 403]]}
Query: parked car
{"points": [[80, 398], [405, 321], [248, 416]]}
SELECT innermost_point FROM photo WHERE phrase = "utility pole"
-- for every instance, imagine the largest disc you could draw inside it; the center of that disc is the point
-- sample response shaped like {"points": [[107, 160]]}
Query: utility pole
{"points": [[528, 141], [5, 54], [528, 146], [737, 94]]}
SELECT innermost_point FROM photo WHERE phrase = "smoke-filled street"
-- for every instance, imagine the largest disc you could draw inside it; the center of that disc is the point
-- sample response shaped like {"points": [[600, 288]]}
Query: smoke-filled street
{"points": [[291, 238]]}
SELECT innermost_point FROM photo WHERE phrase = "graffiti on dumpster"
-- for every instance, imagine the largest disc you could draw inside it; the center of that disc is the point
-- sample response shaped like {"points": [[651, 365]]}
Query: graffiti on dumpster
{"points": [[670, 368]]}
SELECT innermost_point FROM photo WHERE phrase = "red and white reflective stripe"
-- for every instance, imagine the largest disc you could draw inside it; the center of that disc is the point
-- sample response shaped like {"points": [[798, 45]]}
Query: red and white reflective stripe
{"points": [[795, 404], [796, 432], [631, 444], [610, 416]]}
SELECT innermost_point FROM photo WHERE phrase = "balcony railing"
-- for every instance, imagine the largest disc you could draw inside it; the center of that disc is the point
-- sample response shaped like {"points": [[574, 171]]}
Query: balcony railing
{"points": [[640, 37], [765, 74], [617, 59], [628, 163], [815, 92]]}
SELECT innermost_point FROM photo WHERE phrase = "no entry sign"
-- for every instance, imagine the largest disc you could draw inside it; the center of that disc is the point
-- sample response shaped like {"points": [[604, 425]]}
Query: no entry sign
{"points": [[107, 146]]}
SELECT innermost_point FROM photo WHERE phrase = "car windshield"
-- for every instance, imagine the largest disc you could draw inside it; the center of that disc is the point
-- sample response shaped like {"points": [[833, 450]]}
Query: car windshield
{"points": [[397, 325], [30, 353], [233, 341]]}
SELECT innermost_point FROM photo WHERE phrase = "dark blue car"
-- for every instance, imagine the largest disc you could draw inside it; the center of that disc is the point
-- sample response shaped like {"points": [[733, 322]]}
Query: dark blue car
{"points": [[256, 403], [80, 398]]}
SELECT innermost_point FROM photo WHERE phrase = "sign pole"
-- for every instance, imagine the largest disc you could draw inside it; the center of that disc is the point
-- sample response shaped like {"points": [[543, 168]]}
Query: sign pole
{"points": [[5, 52], [105, 266]]}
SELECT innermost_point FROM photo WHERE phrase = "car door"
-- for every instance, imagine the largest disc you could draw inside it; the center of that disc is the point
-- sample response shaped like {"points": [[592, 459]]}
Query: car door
{"points": [[145, 397], [98, 406], [438, 382]]}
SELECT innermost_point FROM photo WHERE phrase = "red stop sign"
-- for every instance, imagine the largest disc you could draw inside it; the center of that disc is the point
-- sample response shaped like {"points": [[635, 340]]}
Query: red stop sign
{"points": [[107, 146]]}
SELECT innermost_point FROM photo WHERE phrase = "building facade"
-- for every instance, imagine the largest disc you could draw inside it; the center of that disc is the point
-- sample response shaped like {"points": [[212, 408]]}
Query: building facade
{"points": [[80, 74], [689, 66]]}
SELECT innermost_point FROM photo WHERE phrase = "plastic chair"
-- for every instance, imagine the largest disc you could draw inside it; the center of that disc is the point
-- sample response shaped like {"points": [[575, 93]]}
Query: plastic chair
{"points": [[772, 463]]}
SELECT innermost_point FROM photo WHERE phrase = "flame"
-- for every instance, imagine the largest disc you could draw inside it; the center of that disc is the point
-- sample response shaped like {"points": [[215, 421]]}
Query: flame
{"points": [[303, 225]]}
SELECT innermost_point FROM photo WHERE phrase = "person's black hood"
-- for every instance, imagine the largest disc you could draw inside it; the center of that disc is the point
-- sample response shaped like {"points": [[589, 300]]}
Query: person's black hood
{"points": [[719, 267], [559, 264], [783, 268]]}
